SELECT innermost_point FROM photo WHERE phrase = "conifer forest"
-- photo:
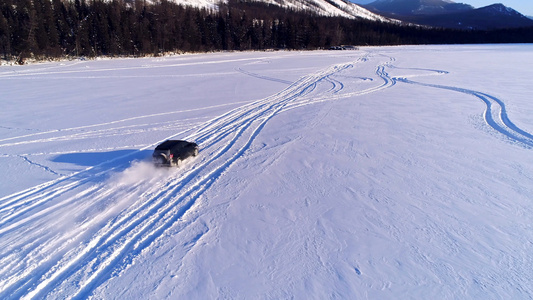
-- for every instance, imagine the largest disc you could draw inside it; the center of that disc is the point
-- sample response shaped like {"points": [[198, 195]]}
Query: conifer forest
{"points": [[47, 29]]}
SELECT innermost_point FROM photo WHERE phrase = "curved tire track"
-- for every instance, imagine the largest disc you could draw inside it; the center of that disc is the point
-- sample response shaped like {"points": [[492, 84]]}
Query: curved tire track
{"points": [[495, 114]]}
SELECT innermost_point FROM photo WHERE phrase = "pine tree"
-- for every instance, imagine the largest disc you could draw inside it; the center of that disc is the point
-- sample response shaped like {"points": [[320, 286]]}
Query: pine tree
{"points": [[5, 39]]}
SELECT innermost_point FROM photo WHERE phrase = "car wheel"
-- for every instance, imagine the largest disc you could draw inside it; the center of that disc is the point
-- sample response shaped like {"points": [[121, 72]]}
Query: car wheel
{"points": [[159, 160], [178, 162], [195, 153]]}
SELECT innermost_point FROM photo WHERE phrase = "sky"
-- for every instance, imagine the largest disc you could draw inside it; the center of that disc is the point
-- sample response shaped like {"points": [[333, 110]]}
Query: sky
{"points": [[525, 7]]}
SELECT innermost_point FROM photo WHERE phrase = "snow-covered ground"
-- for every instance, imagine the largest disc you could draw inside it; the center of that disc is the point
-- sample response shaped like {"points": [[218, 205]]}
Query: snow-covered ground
{"points": [[383, 173]]}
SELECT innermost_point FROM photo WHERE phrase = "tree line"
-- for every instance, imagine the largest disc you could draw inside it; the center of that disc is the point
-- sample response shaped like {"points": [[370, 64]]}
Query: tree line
{"points": [[45, 29]]}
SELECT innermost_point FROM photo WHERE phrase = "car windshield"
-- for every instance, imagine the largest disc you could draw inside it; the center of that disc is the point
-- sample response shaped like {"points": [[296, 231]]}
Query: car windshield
{"points": [[167, 145]]}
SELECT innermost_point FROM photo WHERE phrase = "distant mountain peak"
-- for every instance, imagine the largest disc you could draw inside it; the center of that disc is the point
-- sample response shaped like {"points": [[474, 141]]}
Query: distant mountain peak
{"points": [[449, 14], [500, 8], [417, 7]]}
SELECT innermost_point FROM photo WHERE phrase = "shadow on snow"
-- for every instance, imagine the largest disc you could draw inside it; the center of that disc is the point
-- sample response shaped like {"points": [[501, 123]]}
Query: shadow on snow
{"points": [[90, 159]]}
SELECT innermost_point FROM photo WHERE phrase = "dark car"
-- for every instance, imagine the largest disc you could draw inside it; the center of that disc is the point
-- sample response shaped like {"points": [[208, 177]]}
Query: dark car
{"points": [[173, 152]]}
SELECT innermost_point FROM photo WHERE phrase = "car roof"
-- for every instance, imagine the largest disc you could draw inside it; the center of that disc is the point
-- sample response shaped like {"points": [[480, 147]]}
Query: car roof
{"points": [[169, 144]]}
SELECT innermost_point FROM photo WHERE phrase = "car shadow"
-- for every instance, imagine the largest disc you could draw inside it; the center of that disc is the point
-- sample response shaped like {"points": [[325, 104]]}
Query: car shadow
{"points": [[120, 159]]}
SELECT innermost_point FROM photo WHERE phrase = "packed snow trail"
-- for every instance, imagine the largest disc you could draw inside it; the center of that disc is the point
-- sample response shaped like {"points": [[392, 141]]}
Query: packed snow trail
{"points": [[67, 237]]}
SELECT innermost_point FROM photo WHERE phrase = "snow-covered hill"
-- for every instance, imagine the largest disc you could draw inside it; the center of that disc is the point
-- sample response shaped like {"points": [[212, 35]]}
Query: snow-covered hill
{"points": [[383, 173], [418, 7], [341, 8], [448, 14]]}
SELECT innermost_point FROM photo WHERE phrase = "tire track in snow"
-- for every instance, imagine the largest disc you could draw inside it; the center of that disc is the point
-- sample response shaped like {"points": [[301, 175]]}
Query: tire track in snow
{"points": [[388, 82], [107, 123], [16, 205], [151, 232], [262, 76], [45, 168], [42, 72], [108, 132], [21, 202], [495, 114]]}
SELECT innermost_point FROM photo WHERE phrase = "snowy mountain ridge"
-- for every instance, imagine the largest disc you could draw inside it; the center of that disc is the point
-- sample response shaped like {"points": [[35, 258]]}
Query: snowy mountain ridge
{"points": [[339, 8], [500, 8], [417, 7], [331, 8], [448, 14]]}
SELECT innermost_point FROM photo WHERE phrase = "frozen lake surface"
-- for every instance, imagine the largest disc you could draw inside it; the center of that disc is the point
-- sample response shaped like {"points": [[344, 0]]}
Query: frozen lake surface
{"points": [[382, 173]]}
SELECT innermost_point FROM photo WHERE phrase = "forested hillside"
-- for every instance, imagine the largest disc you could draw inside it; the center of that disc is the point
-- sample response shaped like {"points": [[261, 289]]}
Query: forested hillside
{"points": [[45, 29]]}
